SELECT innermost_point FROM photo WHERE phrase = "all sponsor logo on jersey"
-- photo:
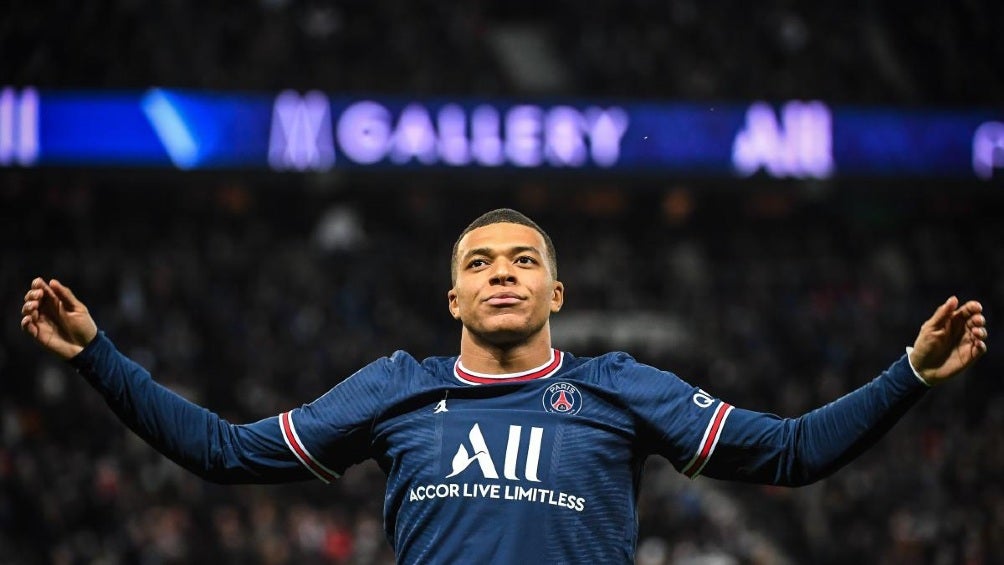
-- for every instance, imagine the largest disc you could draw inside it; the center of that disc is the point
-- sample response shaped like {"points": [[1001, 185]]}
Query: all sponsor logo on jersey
{"points": [[483, 456], [562, 398], [475, 461]]}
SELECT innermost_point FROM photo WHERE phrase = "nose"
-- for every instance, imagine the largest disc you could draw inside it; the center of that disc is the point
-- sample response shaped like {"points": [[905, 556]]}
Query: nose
{"points": [[502, 274]]}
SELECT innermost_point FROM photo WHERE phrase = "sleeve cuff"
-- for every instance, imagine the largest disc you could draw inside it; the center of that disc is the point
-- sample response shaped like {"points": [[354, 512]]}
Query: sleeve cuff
{"points": [[909, 349], [86, 359]]}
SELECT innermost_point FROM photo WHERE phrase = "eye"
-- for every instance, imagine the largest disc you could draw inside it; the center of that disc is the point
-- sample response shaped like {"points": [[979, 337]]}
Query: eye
{"points": [[476, 263], [526, 260]]}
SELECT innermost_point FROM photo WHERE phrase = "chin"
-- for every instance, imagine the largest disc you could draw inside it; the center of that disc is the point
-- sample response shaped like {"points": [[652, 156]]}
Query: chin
{"points": [[506, 334], [501, 332]]}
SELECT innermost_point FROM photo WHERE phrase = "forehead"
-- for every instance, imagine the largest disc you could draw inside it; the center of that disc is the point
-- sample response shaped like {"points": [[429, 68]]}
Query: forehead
{"points": [[501, 236]]}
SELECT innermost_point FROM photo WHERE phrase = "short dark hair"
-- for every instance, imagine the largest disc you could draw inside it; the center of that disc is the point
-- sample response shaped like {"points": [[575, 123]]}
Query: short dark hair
{"points": [[505, 216]]}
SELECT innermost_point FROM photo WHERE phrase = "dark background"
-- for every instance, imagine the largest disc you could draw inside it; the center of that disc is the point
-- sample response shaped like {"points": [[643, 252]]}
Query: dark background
{"points": [[253, 293]]}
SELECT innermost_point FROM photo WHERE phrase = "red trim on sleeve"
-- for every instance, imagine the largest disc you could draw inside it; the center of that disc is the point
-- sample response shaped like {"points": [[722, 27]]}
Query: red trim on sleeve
{"points": [[709, 441], [301, 453]]}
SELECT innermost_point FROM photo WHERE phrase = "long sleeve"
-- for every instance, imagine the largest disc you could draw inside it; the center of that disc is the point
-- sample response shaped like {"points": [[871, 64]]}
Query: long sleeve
{"points": [[764, 448], [190, 435]]}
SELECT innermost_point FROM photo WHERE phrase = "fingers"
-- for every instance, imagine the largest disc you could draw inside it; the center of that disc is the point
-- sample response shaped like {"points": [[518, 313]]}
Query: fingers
{"points": [[47, 289], [975, 326], [977, 322], [971, 313], [55, 291], [36, 290], [942, 314], [33, 298], [29, 326], [35, 295], [29, 311], [65, 295], [30, 308], [40, 290], [32, 302], [969, 309], [979, 335], [40, 295]]}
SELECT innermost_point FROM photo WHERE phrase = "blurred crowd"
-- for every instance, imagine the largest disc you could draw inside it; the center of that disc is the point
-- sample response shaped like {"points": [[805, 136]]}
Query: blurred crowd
{"points": [[254, 295], [928, 52]]}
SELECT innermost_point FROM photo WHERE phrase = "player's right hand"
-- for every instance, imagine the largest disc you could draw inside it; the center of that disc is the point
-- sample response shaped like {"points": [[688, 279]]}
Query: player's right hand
{"points": [[950, 341], [56, 318]]}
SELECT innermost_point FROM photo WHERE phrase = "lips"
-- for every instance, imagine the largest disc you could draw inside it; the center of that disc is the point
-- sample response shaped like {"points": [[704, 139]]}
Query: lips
{"points": [[504, 299]]}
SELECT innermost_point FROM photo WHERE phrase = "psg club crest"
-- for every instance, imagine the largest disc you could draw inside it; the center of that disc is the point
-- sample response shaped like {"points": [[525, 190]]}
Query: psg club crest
{"points": [[562, 398]]}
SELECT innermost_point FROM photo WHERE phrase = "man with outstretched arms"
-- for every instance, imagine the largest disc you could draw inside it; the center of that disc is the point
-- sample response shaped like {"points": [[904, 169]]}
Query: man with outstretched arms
{"points": [[512, 451]]}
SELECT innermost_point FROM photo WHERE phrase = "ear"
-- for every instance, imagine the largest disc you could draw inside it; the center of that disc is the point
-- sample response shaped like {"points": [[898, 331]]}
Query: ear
{"points": [[451, 298], [557, 296]]}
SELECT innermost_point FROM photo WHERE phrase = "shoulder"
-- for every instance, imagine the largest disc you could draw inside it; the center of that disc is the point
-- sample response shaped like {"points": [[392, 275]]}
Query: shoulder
{"points": [[398, 365], [400, 358], [612, 365], [389, 377], [404, 364], [618, 370], [611, 360]]}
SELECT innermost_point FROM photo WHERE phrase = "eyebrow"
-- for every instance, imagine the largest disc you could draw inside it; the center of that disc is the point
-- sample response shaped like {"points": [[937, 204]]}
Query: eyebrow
{"points": [[488, 251]]}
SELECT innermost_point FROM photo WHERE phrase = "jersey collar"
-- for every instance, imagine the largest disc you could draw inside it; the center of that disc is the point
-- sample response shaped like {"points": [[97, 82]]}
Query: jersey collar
{"points": [[542, 372]]}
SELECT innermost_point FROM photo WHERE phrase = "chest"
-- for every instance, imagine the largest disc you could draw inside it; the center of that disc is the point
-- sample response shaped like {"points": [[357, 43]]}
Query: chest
{"points": [[530, 433]]}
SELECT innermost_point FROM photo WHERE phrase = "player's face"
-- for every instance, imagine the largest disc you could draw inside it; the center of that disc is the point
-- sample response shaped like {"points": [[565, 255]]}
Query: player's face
{"points": [[504, 292]]}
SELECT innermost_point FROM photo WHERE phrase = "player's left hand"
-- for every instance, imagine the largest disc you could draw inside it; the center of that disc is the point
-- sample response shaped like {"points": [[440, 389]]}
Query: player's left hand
{"points": [[950, 341]]}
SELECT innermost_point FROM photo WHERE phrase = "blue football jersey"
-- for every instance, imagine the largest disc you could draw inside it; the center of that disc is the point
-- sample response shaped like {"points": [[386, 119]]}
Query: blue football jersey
{"points": [[485, 467], [542, 466]]}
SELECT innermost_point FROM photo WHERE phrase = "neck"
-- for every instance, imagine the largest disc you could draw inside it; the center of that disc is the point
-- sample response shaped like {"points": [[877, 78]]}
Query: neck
{"points": [[483, 356]]}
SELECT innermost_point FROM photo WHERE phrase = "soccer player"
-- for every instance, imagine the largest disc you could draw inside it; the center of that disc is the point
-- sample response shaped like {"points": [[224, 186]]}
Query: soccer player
{"points": [[512, 451]]}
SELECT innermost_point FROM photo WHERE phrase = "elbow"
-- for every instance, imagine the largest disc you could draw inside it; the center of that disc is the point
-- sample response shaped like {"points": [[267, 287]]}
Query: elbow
{"points": [[222, 479], [206, 473], [799, 481], [805, 474], [213, 471], [219, 476]]}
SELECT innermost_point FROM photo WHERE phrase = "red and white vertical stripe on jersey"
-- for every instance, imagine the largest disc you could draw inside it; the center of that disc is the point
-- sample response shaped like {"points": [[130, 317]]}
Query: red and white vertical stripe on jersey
{"points": [[301, 453], [709, 441]]}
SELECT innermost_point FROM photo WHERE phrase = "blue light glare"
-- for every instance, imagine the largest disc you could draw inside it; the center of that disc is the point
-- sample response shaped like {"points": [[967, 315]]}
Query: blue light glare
{"points": [[170, 126]]}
